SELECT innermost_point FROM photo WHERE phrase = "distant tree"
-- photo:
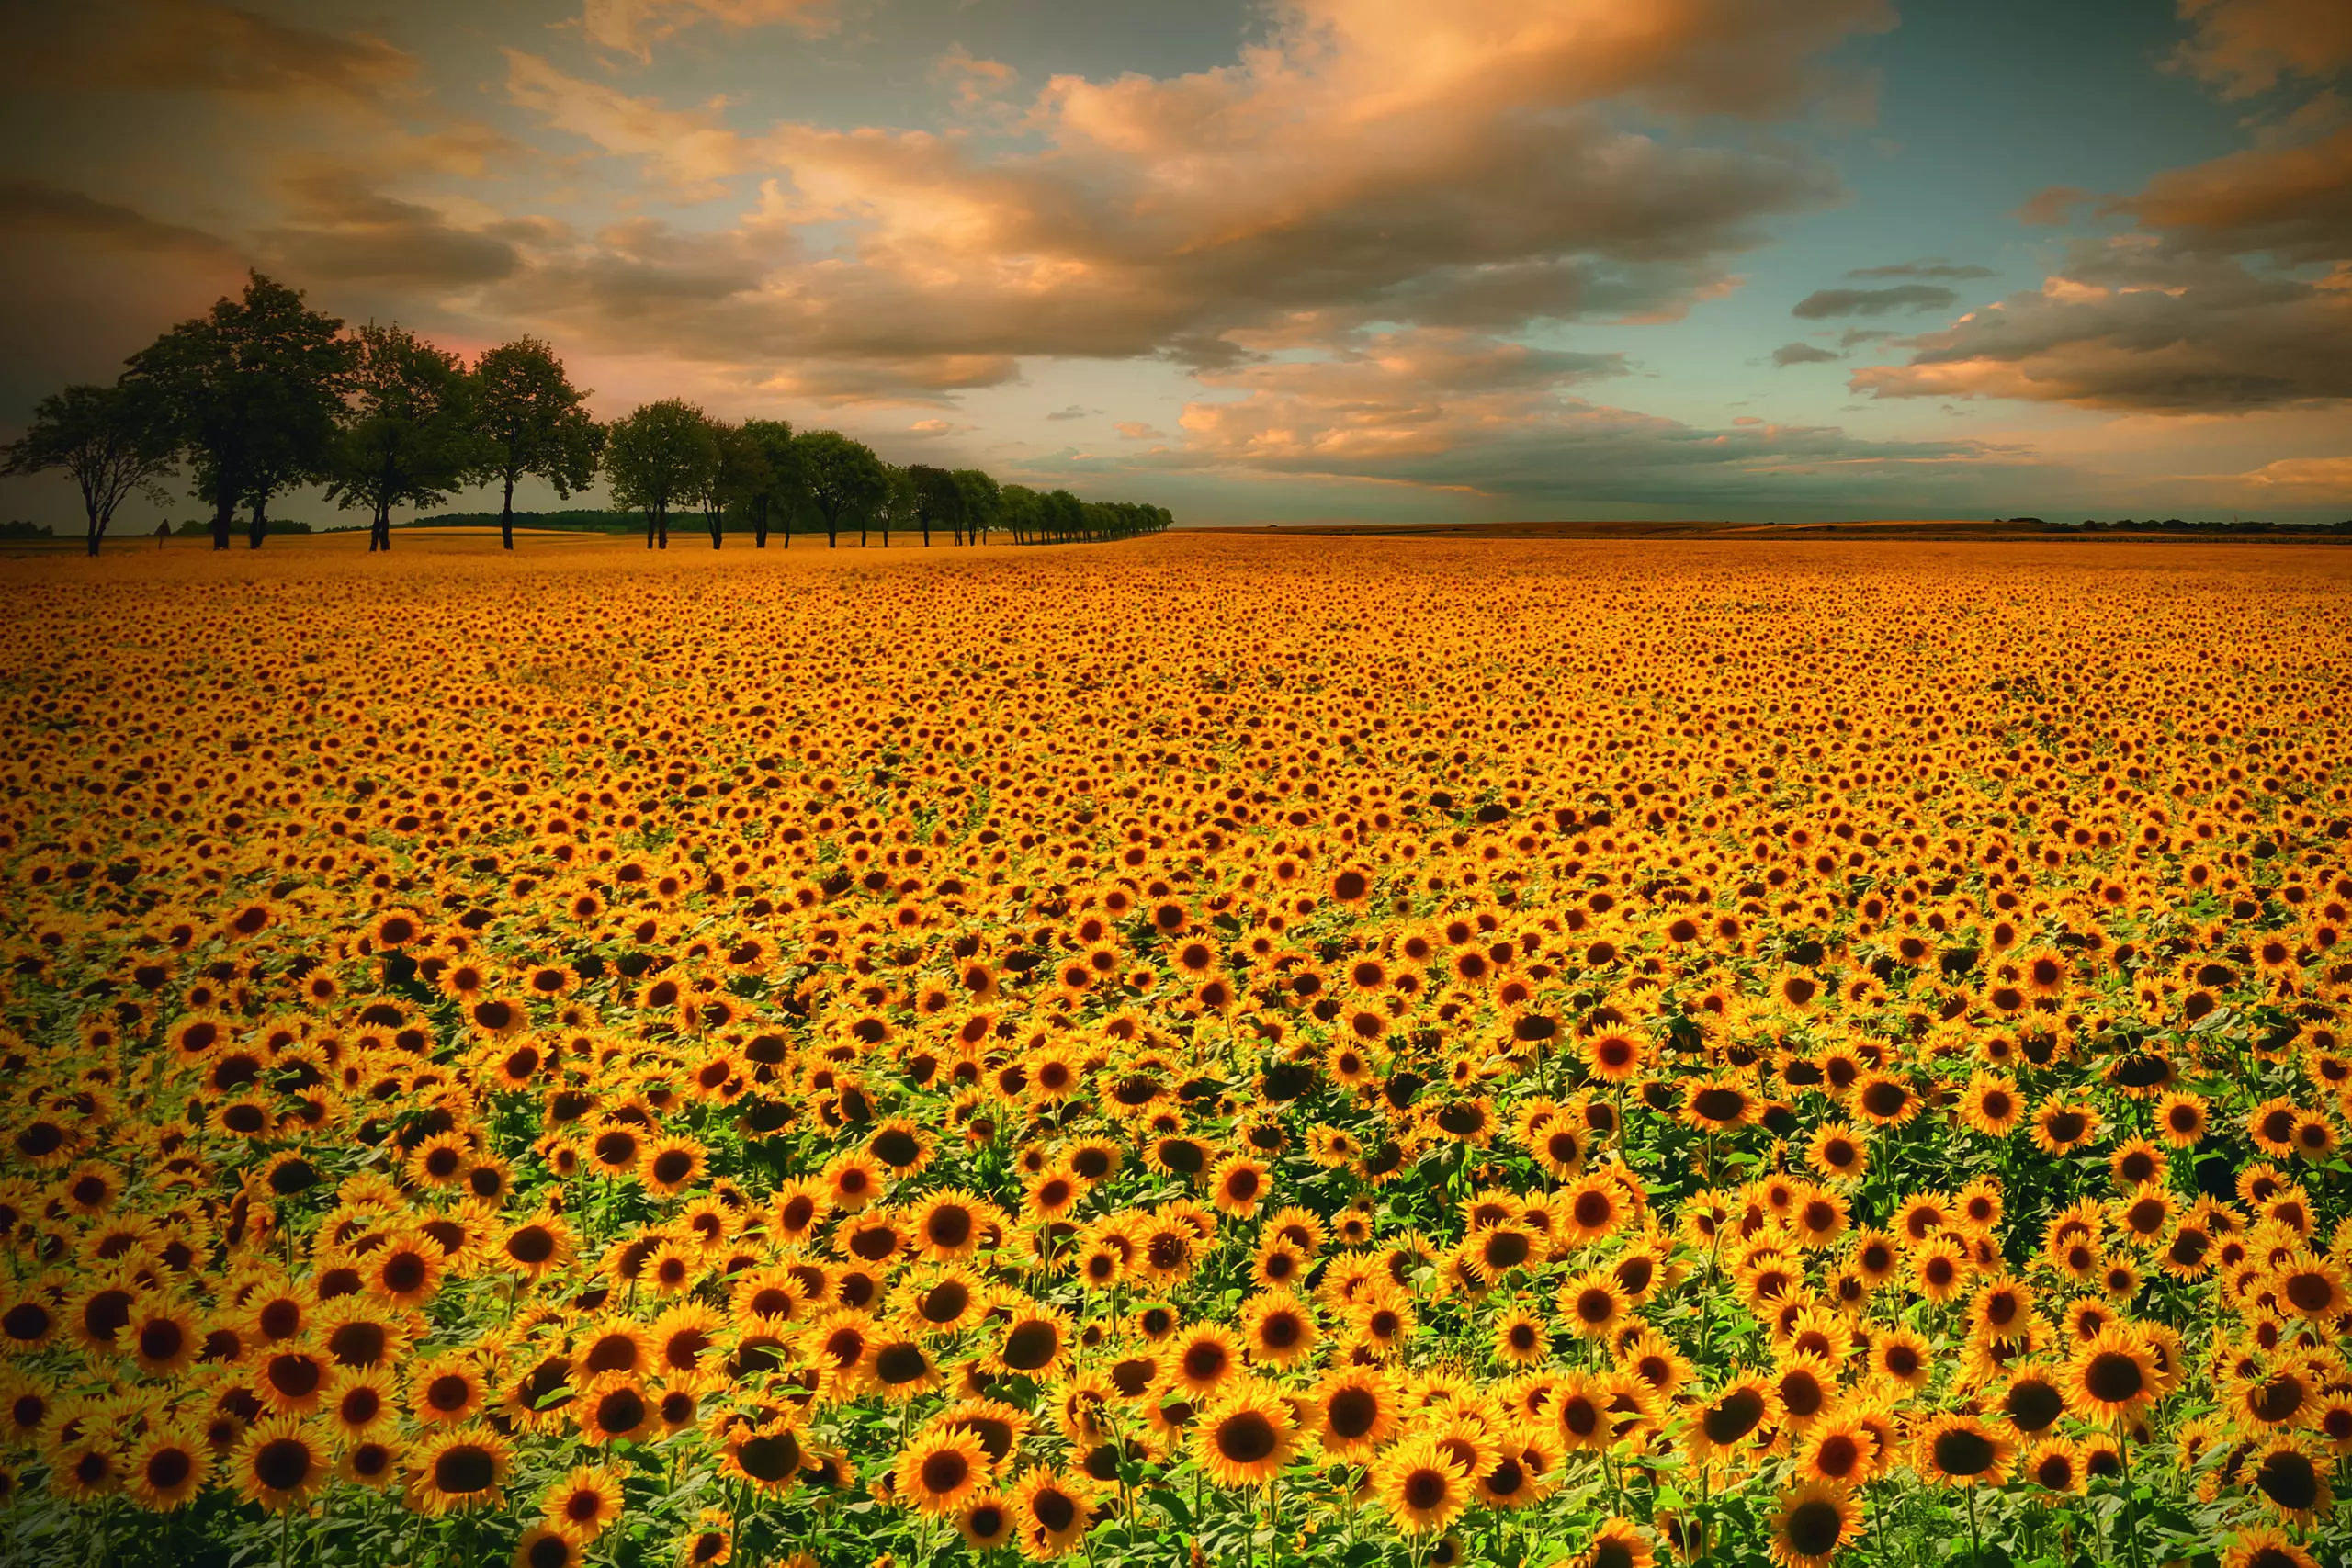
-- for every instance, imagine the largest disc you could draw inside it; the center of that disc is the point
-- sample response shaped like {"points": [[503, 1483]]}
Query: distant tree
{"points": [[843, 477], [1065, 516], [1019, 508], [661, 456], [408, 439], [534, 421], [901, 506], [112, 440], [779, 491], [253, 394], [741, 475], [937, 499], [980, 500]]}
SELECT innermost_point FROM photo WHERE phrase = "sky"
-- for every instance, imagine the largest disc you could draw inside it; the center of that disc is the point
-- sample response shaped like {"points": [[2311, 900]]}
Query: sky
{"points": [[1271, 261]]}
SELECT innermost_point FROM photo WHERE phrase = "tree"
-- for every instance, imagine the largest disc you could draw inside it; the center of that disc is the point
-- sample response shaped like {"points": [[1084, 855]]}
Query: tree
{"points": [[842, 476], [1020, 508], [534, 421], [900, 507], [254, 393], [741, 473], [980, 501], [110, 440], [781, 490], [937, 499], [408, 439], [661, 455]]}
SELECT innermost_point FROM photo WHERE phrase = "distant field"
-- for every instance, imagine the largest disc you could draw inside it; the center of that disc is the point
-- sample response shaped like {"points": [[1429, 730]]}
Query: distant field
{"points": [[1379, 1053], [1875, 528]]}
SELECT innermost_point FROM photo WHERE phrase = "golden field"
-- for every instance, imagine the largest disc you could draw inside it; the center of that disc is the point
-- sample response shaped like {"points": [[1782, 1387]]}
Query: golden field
{"points": [[1210, 1047]]}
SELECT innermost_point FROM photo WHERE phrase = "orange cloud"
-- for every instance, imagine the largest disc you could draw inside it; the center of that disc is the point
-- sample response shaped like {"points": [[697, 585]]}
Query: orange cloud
{"points": [[689, 145], [193, 46], [2294, 200], [2304, 479], [2132, 326], [2248, 46], [634, 27], [1373, 161]]}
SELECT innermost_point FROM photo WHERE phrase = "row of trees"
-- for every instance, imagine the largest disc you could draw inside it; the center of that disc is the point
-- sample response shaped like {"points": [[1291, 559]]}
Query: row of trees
{"points": [[262, 395]]}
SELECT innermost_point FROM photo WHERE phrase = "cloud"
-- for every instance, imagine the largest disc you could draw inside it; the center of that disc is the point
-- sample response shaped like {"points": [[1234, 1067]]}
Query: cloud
{"points": [[1138, 430], [1073, 412], [1927, 266], [344, 229], [1826, 303], [36, 206], [190, 46], [690, 146], [2051, 206], [1456, 412], [2245, 47], [975, 81], [2132, 324], [1374, 163], [634, 27], [2308, 479], [1790, 353], [2292, 200]]}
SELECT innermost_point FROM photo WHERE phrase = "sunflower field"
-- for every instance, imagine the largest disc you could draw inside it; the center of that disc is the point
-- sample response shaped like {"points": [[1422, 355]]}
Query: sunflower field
{"points": [[1197, 1050]]}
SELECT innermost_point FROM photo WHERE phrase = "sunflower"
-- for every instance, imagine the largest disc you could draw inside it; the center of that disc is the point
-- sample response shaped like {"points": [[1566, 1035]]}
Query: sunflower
{"points": [[2290, 1479], [1839, 1448], [580, 1504], [2311, 1287], [2266, 1546], [614, 1407], [985, 1520], [2061, 1127], [1036, 1344], [941, 1469], [1354, 1410], [1277, 1330], [542, 1547], [1617, 1543], [1734, 1415], [1420, 1486], [2109, 1377], [950, 1226], [1812, 1522], [166, 1469], [1593, 1305], [2181, 1119], [449, 1388], [1522, 1339], [1961, 1450], [162, 1338], [768, 1457], [406, 1270], [1050, 1514], [280, 1463], [1245, 1437], [459, 1470]]}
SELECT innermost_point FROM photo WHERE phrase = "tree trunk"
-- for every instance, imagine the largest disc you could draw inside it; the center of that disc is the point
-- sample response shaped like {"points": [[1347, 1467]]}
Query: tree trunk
{"points": [[760, 524], [926, 533], [507, 515], [832, 531], [97, 532], [260, 529], [661, 525], [380, 537], [717, 520], [224, 511], [649, 527]]}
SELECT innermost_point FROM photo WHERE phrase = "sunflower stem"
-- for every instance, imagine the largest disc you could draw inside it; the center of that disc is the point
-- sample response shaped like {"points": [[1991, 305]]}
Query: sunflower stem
{"points": [[1976, 1550]]}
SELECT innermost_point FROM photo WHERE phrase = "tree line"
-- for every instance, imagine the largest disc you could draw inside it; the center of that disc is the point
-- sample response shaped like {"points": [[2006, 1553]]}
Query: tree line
{"points": [[262, 395]]}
